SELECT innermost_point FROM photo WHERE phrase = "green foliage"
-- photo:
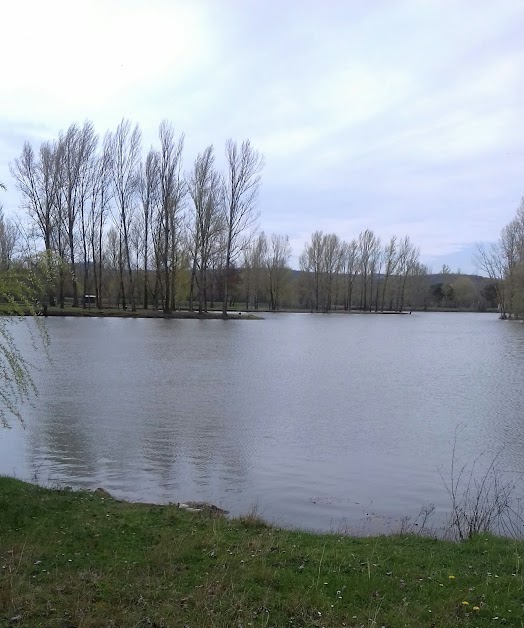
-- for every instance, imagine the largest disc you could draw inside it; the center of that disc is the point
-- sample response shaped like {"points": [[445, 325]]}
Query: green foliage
{"points": [[464, 294], [84, 559], [459, 293], [490, 294], [437, 292], [18, 290]]}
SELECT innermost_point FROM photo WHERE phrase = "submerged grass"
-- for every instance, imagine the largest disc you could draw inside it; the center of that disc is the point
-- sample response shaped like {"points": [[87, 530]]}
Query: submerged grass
{"points": [[83, 559]]}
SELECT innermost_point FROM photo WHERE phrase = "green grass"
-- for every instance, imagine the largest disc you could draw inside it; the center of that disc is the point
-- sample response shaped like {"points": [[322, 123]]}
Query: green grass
{"points": [[83, 559]]}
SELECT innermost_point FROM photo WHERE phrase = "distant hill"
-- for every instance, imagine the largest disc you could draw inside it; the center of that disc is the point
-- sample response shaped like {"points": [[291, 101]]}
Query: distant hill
{"points": [[477, 280]]}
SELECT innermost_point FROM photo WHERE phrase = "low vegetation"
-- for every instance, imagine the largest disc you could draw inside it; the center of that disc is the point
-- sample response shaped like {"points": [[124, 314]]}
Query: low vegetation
{"points": [[83, 559]]}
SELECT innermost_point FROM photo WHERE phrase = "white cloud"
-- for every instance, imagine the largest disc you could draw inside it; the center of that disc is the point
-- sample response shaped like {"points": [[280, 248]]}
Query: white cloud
{"points": [[67, 58], [403, 115]]}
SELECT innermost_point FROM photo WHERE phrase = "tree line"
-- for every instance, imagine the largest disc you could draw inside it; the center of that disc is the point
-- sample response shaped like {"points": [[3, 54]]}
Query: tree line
{"points": [[103, 223], [362, 274], [136, 231]]}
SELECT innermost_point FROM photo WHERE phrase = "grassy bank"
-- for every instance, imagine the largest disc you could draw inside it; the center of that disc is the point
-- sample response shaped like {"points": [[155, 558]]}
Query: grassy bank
{"points": [[83, 559], [139, 313]]}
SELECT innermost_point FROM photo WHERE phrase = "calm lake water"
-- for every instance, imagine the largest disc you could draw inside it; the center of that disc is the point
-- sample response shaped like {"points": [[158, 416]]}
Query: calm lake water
{"points": [[325, 422]]}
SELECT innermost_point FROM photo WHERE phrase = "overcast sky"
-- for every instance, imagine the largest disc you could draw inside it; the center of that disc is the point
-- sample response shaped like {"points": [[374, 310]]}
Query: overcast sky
{"points": [[404, 117]]}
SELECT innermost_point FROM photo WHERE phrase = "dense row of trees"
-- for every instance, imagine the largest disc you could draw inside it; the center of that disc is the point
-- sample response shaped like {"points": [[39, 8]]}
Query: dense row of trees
{"points": [[102, 220], [134, 231], [503, 263], [363, 274]]}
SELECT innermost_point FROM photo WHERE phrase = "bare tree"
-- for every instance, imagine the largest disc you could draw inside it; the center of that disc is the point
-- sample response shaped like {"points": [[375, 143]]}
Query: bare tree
{"points": [[112, 255], [75, 151], [376, 260], [8, 241], [491, 262], [277, 258], [100, 197], [150, 195], [241, 187], [254, 271], [390, 266], [207, 222], [322, 260], [503, 262], [310, 262], [125, 159], [350, 264], [408, 256], [172, 191], [37, 180], [331, 262], [85, 165], [367, 244], [511, 248]]}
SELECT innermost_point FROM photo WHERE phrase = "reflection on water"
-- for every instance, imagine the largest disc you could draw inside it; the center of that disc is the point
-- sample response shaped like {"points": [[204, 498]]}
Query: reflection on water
{"points": [[321, 420]]}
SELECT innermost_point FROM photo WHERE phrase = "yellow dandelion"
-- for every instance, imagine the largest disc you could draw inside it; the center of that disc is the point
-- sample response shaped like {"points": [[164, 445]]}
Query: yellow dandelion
{"points": [[476, 608], [465, 603], [451, 577]]}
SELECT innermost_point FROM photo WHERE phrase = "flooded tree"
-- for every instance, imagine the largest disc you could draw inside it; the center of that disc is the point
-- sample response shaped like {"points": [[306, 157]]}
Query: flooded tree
{"points": [[503, 263]]}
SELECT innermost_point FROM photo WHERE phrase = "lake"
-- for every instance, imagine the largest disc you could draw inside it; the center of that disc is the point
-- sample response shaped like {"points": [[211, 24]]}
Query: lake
{"points": [[323, 422]]}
